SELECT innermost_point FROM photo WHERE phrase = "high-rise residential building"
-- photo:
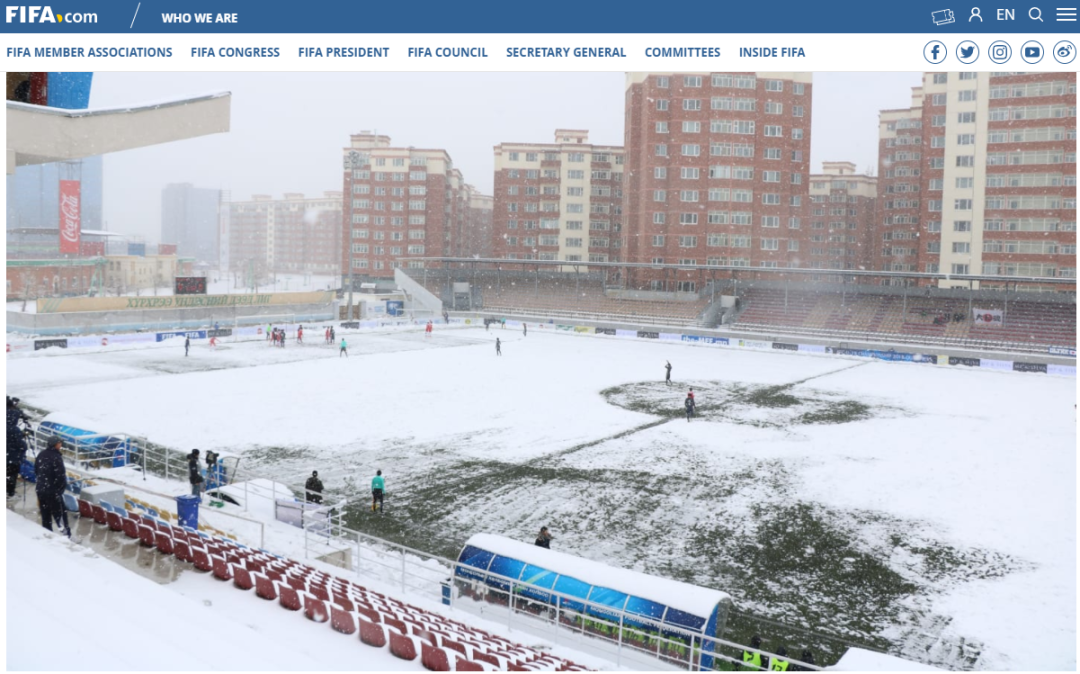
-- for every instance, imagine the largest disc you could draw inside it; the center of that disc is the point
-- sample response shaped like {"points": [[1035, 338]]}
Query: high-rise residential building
{"points": [[189, 218], [990, 162], [841, 220], [478, 237], [400, 203], [900, 188], [559, 201], [291, 234], [717, 171]]}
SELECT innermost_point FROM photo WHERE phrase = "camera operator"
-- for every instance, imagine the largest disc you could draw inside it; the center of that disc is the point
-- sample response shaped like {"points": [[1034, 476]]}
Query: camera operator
{"points": [[16, 443]]}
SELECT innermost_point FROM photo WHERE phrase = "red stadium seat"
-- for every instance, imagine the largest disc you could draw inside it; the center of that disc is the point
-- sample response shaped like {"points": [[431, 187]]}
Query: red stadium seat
{"points": [[182, 550], [242, 578], [344, 602], [436, 659], [319, 591], [403, 646], [164, 543], [201, 559], [146, 536], [341, 620], [288, 597], [454, 646], [114, 521], [85, 509], [264, 587], [372, 634], [99, 514], [131, 527], [463, 665], [222, 571], [316, 609]]}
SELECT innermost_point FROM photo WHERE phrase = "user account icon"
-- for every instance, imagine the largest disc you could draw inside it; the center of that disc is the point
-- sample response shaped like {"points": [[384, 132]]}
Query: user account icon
{"points": [[942, 17]]}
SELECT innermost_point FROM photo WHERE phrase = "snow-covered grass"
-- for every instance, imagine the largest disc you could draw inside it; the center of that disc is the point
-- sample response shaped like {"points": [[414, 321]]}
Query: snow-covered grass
{"points": [[929, 510]]}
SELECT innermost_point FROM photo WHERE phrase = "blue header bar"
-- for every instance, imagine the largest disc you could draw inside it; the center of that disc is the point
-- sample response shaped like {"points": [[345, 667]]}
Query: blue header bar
{"points": [[943, 17]]}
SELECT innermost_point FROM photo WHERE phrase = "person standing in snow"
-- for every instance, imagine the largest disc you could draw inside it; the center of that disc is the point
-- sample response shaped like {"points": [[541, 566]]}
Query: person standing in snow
{"points": [[194, 473], [269, 332], [807, 657], [524, 329], [779, 663], [314, 488], [300, 335], [427, 330], [543, 540], [344, 349], [498, 347], [333, 334], [187, 345], [667, 378], [16, 444], [755, 661], [689, 404], [378, 486], [328, 336], [51, 477]]}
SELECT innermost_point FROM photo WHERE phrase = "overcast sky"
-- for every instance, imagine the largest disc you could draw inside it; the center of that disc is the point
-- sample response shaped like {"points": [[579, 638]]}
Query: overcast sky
{"points": [[288, 129]]}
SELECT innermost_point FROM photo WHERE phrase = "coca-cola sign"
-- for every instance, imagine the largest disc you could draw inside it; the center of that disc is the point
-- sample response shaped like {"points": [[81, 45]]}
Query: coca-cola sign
{"points": [[70, 216]]}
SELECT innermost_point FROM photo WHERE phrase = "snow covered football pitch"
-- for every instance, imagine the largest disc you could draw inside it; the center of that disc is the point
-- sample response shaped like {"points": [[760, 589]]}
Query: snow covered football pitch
{"points": [[929, 510]]}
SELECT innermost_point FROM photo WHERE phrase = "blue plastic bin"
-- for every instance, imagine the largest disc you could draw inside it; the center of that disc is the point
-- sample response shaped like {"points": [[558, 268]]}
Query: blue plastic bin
{"points": [[187, 511]]}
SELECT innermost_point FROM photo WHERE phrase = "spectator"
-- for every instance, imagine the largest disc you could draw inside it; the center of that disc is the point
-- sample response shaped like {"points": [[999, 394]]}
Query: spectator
{"points": [[314, 488], [378, 485], [194, 474], [498, 347], [544, 539], [51, 482], [779, 663], [807, 657], [689, 404], [667, 378], [16, 444], [754, 661]]}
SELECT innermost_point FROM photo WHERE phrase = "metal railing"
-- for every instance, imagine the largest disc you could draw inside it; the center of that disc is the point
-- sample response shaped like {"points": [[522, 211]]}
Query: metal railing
{"points": [[562, 617]]}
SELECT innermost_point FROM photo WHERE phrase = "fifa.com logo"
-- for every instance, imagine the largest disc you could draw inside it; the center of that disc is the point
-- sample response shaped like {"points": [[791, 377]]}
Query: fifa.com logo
{"points": [[45, 14]]}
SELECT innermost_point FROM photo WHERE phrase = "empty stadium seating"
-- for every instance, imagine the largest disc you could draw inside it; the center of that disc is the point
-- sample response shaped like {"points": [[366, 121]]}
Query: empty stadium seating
{"points": [[414, 634], [1028, 325], [569, 298]]}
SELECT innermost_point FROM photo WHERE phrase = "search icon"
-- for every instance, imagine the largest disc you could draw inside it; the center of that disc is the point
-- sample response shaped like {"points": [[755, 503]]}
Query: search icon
{"points": [[976, 13], [1035, 14]]}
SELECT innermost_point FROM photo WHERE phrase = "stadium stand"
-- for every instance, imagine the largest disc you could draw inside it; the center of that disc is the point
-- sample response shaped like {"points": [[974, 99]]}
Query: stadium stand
{"points": [[1028, 324], [430, 639]]}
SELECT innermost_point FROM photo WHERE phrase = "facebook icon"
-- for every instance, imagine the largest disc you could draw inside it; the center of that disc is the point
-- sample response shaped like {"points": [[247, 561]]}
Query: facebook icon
{"points": [[934, 51]]}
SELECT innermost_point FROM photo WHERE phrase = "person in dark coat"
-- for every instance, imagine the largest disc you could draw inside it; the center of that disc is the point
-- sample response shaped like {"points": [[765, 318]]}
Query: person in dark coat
{"points": [[314, 488], [194, 473], [187, 345], [498, 347], [689, 404], [51, 478], [667, 377], [544, 539], [807, 657], [16, 444]]}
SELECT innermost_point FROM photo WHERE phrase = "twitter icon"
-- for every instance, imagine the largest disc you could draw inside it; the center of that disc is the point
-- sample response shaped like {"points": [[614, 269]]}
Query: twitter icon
{"points": [[967, 52]]}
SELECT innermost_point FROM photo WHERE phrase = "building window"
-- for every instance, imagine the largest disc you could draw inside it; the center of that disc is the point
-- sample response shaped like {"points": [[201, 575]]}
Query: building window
{"points": [[774, 108], [689, 173], [691, 150], [770, 244], [663, 82], [959, 268], [658, 218], [692, 81], [662, 104], [688, 218], [691, 127], [661, 150], [661, 127], [773, 131], [657, 241], [961, 225], [774, 85], [660, 172], [691, 104]]}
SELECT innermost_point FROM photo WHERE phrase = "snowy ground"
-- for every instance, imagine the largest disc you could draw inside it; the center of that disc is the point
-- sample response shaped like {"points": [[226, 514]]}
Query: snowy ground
{"points": [[925, 509]]}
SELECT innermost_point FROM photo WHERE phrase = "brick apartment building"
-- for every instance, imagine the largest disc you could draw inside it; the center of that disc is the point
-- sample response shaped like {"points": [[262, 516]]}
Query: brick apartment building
{"points": [[558, 201], [978, 176], [478, 238], [718, 171], [842, 215], [401, 203], [291, 234]]}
